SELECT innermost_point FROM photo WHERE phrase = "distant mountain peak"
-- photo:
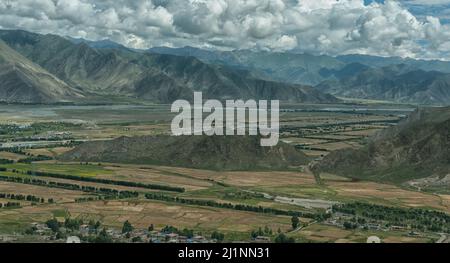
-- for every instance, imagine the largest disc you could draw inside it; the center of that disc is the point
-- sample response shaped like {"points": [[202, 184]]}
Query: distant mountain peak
{"points": [[402, 83]]}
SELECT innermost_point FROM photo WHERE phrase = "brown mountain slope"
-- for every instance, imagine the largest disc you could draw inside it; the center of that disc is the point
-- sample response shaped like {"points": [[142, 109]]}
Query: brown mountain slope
{"points": [[216, 152], [23, 81], [417, 148]]}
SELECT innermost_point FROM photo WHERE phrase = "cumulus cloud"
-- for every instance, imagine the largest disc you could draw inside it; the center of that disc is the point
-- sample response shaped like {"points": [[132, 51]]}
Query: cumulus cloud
{"points": [[315, 26], [286, 43], [428, 2]]}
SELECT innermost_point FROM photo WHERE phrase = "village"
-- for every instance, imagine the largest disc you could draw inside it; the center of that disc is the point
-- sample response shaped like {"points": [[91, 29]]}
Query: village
{"points": [[41, 232], [68, 232]]}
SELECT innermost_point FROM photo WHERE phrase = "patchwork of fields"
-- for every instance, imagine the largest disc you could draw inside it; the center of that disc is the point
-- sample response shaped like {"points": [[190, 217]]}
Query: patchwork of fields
{"points": [[77, 190], [228, 187]]}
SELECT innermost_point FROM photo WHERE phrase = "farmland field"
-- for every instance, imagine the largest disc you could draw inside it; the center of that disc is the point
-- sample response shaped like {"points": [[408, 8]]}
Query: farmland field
{"points": [[199, 184], [313, 128]]}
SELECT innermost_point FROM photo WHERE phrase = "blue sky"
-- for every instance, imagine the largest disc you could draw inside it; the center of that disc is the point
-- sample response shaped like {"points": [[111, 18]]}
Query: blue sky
{"points": [[423, 8], [367, 2], [441, 10]]}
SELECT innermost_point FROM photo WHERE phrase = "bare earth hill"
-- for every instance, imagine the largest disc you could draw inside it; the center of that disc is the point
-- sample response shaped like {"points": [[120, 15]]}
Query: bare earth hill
{"points": [[416, 149], [216, 152]]}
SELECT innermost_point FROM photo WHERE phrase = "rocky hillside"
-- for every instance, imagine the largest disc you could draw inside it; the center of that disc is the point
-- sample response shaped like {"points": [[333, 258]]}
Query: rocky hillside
{"points": [[22, 81], [418, 148], [217, 152]]}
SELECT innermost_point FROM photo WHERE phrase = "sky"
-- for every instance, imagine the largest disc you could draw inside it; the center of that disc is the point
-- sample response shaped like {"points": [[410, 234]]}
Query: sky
{"points": [[409, 28]]}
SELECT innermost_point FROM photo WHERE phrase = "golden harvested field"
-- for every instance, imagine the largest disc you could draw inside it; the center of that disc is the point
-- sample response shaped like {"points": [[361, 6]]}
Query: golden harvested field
{"points": [[321, 233], [404, 239], [283, 183], [339, 188], [445, 200], [315, 154], [150, 175], [245, 179], [326, 233], [143, 213], [59, 195], [11, 156], [52, 152], [366, 133]]}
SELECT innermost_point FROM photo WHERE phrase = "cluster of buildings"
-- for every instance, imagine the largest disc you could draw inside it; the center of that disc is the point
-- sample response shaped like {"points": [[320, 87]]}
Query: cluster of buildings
{"points": [[137, 235], [41, 229], [339, 218], [145, 236], [52, 135]]}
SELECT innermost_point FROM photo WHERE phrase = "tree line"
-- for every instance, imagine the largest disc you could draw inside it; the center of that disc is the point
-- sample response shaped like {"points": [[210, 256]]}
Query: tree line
{"points": [[6, 161], [21, 197], [113, 193], [10, 205], [37, 158], [107, 181]]}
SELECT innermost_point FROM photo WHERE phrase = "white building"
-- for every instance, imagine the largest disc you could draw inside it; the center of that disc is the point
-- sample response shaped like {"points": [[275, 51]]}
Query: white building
{"points": [[73, 240], [373, 240]]}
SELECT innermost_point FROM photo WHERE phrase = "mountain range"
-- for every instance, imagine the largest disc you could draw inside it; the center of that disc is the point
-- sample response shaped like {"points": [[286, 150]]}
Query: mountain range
{"points": [[285, 67], [112, 72], [104, 71], [399, 83], [395, 79]]}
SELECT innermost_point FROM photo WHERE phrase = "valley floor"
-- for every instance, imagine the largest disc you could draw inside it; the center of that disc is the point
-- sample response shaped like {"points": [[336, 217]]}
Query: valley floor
{"points": [[240, 205], [248, 188]]}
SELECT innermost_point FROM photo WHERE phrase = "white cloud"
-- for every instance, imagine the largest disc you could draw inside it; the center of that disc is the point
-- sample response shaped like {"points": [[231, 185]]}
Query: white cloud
{"points": [[315, 26], [429, 2], [286, 43]]}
